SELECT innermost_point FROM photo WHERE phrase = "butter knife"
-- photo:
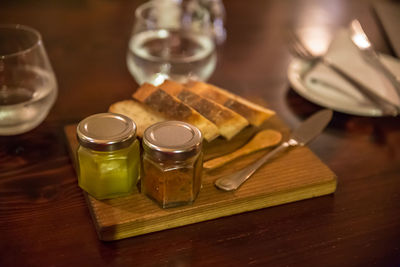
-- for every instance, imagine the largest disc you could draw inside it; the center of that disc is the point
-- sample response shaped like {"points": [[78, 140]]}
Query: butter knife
{"points": [[361, 40], [307, 131]]}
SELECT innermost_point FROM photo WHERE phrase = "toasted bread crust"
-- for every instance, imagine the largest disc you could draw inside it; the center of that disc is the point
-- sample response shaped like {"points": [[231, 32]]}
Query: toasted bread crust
{"points": [[213, 110], [255, 114], [173, 108], [165, 103], [228, 122], [144, 91], [173, 88], [142, 115]]}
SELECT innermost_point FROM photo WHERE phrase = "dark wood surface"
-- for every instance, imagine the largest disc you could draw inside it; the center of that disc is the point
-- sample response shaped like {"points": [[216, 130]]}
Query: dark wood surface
{"points": [[44, 220]]}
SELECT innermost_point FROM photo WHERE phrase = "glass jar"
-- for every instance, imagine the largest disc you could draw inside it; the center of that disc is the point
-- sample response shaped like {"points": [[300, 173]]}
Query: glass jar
{"points": [[108, 155], [172, 163]]}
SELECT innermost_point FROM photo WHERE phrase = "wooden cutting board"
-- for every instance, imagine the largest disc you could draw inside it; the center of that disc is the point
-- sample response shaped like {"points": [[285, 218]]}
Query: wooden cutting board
{"points": [[295, 175]]}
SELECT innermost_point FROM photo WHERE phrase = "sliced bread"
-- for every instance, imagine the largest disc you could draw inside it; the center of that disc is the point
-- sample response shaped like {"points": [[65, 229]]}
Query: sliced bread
{"points": [[228, 122], [142, 115], [255, 114], [173, 108]]}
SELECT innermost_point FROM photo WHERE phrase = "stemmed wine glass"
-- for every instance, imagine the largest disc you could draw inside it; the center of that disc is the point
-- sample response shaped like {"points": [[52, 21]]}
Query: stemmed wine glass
{"points": [[171, 40], [28, 87]]}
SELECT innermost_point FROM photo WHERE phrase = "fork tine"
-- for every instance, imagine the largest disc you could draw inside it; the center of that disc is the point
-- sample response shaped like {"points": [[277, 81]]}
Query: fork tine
{"points": [[297, 47], [298, 51], [294, 50], [301, 46], [292, 45]]}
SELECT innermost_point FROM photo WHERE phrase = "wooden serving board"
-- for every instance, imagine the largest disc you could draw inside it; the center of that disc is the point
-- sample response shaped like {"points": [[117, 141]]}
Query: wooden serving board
{"points": [[295, 175]]}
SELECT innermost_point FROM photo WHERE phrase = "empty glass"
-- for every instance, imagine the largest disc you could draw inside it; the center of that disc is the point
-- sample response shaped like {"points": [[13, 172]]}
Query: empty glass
{"points": [[28, 86], [171, 40]]}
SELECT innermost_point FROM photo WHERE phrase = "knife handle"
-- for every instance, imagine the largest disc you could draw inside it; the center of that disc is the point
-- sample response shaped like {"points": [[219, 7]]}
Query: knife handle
{"points": [[233, 181]]}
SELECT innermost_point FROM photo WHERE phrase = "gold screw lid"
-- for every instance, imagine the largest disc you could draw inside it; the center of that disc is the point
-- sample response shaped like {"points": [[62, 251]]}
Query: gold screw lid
{"points": [[172, 140], [106, 132]]}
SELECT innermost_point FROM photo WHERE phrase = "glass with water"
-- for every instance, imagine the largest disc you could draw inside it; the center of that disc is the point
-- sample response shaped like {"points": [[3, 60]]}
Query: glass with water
{"points": [[171, 40], [28, 87]]}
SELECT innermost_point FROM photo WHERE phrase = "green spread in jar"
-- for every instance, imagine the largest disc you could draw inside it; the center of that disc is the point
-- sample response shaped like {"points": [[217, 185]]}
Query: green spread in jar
{"points": [[108, 155]]}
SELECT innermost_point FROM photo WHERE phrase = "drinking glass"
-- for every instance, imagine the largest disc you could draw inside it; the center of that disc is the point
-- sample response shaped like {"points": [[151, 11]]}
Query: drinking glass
{"points": [[217, 12], [171, 40], [28, 87]]}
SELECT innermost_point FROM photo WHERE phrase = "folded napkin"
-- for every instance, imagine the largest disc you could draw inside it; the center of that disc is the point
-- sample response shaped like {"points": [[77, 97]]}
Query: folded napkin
{"points": [[389, 15], [326, 84]]}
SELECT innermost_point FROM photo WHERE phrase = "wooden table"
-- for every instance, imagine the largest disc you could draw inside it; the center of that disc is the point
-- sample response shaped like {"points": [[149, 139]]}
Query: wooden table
{"points": [[44, 220]]}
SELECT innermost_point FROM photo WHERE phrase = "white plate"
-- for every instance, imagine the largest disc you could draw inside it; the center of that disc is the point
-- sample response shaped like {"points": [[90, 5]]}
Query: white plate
{"points": [[329, 97]]}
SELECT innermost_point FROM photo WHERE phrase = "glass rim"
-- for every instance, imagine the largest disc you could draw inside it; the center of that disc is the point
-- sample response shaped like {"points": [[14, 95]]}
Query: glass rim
{"points": [[151, 4], [139, 10], [20, 27]]}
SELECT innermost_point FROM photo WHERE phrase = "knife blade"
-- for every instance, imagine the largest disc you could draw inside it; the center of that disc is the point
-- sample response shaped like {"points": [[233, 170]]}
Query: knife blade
{"points": [[360, 39], [306, 132]]}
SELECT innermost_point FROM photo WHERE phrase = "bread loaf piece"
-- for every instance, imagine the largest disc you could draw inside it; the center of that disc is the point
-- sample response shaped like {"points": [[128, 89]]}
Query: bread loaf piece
{"points": [[142, 115], [255, 114], [173, 88], [172, 108], [228, 122]]}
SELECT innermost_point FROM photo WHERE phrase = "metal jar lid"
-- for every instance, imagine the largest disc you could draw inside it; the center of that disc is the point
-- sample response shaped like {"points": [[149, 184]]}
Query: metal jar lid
{"points": [[172, 141], [106, 132]]}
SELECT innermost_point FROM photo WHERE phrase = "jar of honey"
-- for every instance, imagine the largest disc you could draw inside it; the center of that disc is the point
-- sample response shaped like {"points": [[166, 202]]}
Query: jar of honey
{"points": [[108, 155], [172, 163]]}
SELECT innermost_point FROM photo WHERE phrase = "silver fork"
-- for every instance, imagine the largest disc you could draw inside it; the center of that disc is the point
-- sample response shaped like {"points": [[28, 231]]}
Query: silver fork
{"points": [[299, 50]]}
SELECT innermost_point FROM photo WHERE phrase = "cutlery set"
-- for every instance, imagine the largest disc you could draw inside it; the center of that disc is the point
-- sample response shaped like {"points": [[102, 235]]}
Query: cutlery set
{"points": [[368, 54], [314, 125], [306, 132]]}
